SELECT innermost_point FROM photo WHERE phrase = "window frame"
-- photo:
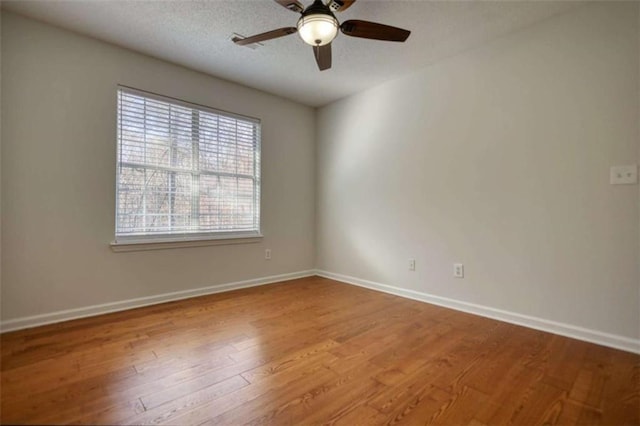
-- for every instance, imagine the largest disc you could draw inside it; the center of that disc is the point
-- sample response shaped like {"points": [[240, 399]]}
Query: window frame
{"points": [[187, 239]]}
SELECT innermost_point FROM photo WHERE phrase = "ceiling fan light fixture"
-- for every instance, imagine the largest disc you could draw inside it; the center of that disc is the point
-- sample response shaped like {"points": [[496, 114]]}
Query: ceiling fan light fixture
{"points": [[318, 29]]}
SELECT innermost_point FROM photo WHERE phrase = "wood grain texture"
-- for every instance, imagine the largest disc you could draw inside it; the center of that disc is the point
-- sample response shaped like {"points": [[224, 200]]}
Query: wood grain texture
{"points": [[310, 351]]}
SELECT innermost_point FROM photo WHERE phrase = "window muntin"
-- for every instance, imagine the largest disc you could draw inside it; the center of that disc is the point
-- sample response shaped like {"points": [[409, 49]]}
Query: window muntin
{"points": [[185, 171]]}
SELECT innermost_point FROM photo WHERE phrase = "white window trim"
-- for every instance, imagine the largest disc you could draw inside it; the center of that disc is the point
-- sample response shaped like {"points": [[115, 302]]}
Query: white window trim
{"points": [[169, 241], [162, 243]]}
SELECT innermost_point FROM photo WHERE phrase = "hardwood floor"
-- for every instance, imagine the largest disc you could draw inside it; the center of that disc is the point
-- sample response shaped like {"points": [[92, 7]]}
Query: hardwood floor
{"points": [[310, 351]]}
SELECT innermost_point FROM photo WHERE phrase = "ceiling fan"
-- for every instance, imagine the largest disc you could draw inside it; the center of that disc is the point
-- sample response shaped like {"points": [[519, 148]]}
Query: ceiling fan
{"points": [[318, 27]]}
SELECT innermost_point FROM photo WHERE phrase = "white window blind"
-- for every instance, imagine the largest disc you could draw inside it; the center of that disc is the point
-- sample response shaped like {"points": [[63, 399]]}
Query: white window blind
{"points": [[185, 171]]}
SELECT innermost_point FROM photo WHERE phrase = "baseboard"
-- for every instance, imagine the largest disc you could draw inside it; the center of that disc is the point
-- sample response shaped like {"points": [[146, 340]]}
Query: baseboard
{"points": [[89, 311], [568, 330]]}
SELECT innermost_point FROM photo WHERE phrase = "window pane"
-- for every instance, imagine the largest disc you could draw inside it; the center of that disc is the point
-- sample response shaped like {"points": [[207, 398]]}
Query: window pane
{"points": [[209, 206], [184, 169]]}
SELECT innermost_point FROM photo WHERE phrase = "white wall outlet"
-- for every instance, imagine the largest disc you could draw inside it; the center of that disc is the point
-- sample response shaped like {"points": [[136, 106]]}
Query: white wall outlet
{"points": [[623, 175], [412, 264], [458, 270], [267, 254]]}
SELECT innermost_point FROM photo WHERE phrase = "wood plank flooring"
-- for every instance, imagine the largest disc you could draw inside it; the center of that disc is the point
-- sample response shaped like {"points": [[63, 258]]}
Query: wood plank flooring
{"points": [[305, 352]]}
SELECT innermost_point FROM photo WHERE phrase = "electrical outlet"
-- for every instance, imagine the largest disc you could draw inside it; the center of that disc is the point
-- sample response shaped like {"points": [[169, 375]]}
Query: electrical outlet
{"points": [[623, 175], [412, 264], [267, 254], [458, 270]]}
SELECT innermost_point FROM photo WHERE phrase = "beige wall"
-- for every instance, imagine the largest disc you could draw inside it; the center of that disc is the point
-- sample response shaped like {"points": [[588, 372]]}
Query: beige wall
{"points": [[0, 162], [497, 158], [58, 176]]}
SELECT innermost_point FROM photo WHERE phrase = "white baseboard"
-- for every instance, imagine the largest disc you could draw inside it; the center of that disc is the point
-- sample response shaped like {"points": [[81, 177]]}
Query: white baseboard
{"points": [[568, 330], [580, 333], [89, 311]]}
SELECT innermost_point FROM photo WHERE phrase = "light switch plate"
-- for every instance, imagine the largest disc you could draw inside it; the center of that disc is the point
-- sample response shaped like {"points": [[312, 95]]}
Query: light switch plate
{"points": [[624, 175]]}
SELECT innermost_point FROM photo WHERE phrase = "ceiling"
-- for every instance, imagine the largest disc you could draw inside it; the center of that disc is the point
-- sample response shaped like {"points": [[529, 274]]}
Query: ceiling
{"points": [[196, 34]]}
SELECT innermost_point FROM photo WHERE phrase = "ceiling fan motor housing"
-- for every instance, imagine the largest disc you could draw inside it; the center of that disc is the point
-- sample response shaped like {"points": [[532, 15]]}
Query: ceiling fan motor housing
{"points": [[335, 5]]}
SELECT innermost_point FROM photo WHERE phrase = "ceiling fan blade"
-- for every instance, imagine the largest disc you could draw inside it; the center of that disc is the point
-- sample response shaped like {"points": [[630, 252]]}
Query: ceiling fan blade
{"points": [[292, 5], [372, 30], [340, 5], [323, 56], [347, 4], [280, 32]]}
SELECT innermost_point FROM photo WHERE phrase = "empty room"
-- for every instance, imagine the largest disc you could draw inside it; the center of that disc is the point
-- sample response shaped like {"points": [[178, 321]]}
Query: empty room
{"points": [[298, 212]]}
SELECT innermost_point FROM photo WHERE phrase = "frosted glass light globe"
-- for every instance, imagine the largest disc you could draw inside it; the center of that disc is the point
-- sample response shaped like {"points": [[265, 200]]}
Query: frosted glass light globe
{"points": [[318, 29]]}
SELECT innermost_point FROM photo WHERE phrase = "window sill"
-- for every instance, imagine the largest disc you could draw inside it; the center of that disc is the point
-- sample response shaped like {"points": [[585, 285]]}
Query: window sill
{"points": [[163, 244]]}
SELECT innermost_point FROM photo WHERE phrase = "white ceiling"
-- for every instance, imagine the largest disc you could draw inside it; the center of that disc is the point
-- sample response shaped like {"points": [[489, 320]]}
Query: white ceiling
{"points": [[197, 34]]}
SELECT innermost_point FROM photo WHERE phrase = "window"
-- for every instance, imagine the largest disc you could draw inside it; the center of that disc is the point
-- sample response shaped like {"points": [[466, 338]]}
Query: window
{"points": [[184, 171]]}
